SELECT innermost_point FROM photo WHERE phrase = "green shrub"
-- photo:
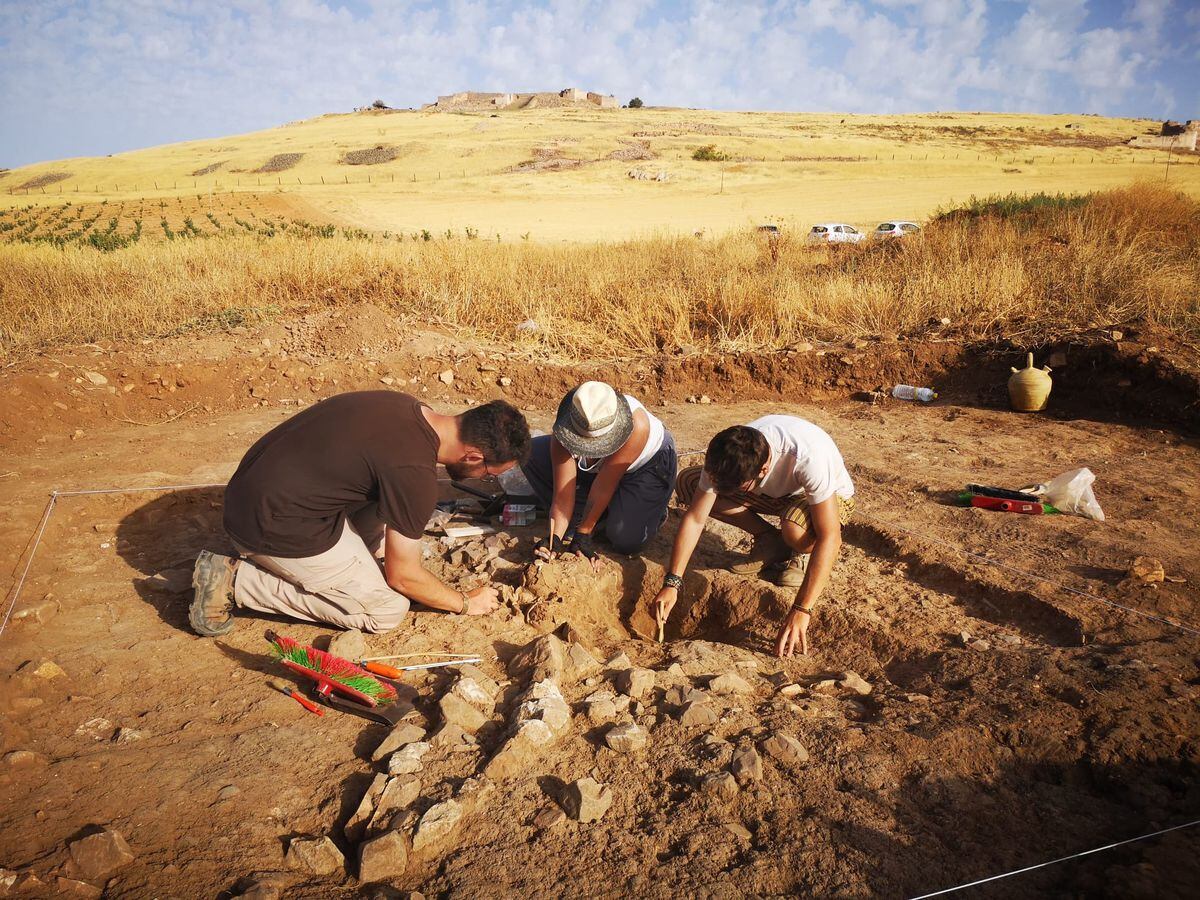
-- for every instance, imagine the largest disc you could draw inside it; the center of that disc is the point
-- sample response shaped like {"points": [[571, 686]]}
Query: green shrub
{"points": [[709, 153]]}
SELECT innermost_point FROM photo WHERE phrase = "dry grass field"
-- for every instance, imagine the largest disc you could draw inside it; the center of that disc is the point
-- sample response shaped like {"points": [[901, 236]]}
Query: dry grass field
{"points": [[562, 174], [1027, 272]]}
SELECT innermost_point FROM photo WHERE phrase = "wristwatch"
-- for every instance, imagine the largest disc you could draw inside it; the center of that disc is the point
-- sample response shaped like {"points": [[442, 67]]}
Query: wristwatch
{"points": [[672, 581]]}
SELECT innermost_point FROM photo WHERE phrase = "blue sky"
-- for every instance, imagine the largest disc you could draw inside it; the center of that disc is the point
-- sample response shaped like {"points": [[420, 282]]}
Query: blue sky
{"points": [[99, 76]]}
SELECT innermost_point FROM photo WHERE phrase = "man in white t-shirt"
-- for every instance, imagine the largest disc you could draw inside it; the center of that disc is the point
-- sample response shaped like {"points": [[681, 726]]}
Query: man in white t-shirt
{"points": [[778, 466]]}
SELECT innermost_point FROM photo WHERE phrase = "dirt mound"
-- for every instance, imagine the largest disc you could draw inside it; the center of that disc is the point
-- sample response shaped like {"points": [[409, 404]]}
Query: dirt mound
{"points": [[280, 162]]}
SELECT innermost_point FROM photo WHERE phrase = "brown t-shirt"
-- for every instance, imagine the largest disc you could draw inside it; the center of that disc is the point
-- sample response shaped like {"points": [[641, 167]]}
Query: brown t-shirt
{"points": [[295, 487]]}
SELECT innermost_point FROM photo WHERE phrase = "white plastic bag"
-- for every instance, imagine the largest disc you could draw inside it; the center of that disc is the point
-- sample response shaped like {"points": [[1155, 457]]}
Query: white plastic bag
{"points": [[1071, 492]]}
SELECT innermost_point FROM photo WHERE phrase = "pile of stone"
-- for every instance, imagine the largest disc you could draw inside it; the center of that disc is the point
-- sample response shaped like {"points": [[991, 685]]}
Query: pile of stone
{"points": [[643, 175]]}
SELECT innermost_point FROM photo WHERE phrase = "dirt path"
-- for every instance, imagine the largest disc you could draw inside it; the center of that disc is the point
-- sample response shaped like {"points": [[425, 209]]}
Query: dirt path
{"points": [[1071, 725]]}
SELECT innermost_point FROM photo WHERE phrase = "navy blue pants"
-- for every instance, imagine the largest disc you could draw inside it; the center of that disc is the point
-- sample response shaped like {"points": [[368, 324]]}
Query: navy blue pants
{"points": [[638, 507]]}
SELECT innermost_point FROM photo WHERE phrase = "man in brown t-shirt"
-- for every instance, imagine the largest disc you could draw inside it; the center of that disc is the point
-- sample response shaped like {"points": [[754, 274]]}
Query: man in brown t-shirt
{"points": [[316, 499]]}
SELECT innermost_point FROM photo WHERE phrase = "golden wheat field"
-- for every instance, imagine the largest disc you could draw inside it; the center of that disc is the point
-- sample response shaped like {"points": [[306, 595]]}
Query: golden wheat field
{"points": [[565, 174]]}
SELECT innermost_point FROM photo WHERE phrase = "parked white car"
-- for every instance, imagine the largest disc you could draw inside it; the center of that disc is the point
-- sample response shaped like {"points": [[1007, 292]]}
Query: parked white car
{"points": [[834, 233], [895, 229]]}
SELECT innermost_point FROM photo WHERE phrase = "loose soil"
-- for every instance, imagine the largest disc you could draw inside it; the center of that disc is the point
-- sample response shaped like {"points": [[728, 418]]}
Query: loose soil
{"points": [[1072, 725]]}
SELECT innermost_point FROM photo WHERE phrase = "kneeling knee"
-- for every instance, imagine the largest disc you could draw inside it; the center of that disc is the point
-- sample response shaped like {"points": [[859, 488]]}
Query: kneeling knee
{"points": [[385, 614], [628, 541]]}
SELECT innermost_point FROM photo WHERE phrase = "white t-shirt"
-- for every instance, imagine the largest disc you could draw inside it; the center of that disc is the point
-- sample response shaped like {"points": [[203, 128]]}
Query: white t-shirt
{"points": [[804, 459], [654, 439]]}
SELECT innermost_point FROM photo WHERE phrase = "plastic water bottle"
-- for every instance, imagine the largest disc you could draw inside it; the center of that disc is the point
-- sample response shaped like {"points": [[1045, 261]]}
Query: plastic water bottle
{"points": [[908, 392]]}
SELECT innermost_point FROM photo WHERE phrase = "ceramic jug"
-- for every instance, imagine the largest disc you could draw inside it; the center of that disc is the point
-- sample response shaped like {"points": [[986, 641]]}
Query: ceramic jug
{"points": [[1029, 388]]}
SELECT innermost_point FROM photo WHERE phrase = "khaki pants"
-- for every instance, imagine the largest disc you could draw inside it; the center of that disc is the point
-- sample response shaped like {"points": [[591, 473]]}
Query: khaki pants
{"points": [[343, 586], [793, 508]]}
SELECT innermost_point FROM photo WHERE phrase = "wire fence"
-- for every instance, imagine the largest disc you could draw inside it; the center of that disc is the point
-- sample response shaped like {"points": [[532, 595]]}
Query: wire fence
{"points": [[73, 185]]}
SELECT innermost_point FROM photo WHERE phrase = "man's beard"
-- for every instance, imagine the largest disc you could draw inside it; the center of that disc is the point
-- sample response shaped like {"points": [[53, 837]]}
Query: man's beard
{"points": [[460, 471]]}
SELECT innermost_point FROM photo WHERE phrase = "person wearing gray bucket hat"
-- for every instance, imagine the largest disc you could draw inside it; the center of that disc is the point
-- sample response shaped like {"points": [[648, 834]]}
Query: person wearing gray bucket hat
{"points": [[608, 458]]}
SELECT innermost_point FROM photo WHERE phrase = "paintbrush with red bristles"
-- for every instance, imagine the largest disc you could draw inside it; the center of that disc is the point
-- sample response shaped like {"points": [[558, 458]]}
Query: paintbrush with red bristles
{"points": [[331, 673]]}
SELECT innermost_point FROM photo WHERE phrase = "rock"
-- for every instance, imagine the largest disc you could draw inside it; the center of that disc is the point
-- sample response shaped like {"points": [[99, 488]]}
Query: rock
{"points": [[549, 817], [785, 749], [730, 684], [720, 784], [29, 883], [356, 825], [41, 612], [737, 830], [541, 658], [545, 702], [851, 681], [399, 793], [516, 754], [979, 644], [618, 662], [581, 662], [95, 378], [99, 855], [263, 886], [50, 670], [383, 857], [97, 729], [69, 887], [7, 879], [404, 733], [1145, 569], [586, 800], [437, 823], [467, 705], [228, 792], [698, 713], [21, 759], [746, 765], [488, 684], [634, 682], [407, 760], [601, 711], [791, 690], [625, 738], [702, 657], [681, 695], [315, 855], [446, 376], [129, 736], [351, 645]]}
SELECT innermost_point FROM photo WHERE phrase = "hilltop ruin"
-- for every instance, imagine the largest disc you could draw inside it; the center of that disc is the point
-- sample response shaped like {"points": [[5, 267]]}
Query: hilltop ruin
{"points": [[1173, 136], [478, 100]]}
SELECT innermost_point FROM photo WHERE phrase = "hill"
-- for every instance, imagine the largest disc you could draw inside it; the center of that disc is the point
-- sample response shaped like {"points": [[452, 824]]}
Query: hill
{"points": [[555, 174]]}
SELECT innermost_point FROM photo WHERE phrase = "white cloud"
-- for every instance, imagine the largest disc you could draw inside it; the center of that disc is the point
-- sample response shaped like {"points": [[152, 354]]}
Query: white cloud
{"points": [[92, 75]]}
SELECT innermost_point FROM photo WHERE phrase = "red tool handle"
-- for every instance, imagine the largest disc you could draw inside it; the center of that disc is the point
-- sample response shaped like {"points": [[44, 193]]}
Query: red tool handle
{"points": [[1001, 504], [306, 703]]}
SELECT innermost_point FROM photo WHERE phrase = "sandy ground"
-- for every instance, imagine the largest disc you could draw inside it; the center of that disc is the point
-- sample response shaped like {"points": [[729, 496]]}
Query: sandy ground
{"points": [[1072, 724]]}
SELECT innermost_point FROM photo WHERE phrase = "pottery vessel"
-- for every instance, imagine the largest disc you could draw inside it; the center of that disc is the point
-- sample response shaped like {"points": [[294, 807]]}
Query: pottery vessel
{"points": [[1029, 388]]}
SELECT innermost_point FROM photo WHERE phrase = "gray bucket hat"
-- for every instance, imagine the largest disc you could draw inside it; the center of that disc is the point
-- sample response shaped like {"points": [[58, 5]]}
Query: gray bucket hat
{"points": [[593, 420]]}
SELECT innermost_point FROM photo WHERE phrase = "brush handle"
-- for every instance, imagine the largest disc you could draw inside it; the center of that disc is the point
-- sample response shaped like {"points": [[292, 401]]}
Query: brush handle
{"points": [[381, 669]]}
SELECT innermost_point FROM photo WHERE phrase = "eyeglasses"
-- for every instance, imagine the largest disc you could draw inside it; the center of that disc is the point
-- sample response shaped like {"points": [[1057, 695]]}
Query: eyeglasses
{"points": [[488, 477]]}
